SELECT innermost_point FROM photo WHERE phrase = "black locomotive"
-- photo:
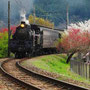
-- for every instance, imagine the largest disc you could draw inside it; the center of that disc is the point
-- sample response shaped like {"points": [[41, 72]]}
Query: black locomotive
{"points": [[29, 39]]}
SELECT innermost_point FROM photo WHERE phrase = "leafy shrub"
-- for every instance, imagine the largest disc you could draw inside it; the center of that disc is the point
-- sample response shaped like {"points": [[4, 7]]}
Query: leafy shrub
{"points": [[41, 21], [3, 44], [4, 41]]}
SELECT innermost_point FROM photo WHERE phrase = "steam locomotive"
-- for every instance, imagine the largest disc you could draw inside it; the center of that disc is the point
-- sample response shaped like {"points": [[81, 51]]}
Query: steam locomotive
{"points": [[33, 38]]}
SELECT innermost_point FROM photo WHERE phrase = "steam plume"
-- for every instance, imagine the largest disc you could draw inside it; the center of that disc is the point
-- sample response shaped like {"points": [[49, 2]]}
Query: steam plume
{"points": [[23, 17], [16, 7]]}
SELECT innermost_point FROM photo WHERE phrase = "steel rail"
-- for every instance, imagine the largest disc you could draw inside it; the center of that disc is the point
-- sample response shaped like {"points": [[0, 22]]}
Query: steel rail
{"points": [[70, 86], [29, 86]]}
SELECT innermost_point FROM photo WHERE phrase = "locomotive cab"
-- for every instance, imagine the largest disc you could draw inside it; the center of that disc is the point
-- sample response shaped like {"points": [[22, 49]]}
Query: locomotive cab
{"points": [[37, 35]]}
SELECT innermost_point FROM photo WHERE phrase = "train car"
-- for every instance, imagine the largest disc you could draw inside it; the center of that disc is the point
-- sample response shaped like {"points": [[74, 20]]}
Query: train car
{"points": [[32, 38], [49, 38]]}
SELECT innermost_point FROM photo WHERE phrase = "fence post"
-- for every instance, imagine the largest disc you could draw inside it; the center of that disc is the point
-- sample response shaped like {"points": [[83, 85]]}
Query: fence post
{"points": [[78, 69], [89, 72], [86, 71], [83, 69]]}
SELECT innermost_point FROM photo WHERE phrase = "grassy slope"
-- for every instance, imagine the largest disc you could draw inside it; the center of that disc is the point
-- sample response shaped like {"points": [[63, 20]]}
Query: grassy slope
{"points": [[56, 64]]}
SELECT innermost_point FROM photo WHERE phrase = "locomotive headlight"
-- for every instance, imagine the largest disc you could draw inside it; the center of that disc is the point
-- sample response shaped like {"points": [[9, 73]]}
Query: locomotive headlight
{"points": [[22, 25]]}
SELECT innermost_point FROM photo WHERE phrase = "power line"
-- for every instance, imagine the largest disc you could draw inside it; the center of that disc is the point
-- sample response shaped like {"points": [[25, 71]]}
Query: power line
{"points": [[19, 3], [22, 4], [51, 12]]}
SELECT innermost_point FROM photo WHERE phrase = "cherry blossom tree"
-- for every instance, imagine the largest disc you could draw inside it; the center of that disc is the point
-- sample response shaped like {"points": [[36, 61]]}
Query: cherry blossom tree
{"points": [[74, 40]]}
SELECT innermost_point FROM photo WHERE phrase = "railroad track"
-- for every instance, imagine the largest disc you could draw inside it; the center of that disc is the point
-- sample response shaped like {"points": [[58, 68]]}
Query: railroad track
{"points": [[7, 83], [32, 80]]}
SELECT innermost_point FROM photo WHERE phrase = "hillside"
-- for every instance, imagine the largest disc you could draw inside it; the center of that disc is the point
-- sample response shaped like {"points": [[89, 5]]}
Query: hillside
{"points": [[54, 10]]}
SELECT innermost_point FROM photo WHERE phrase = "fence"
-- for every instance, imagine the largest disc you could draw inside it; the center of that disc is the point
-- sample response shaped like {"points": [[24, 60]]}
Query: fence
{"points": [[81, 68]]}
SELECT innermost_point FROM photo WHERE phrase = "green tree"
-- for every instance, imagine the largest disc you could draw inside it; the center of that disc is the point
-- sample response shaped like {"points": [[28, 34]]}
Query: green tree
{"points": [[54, 10]]}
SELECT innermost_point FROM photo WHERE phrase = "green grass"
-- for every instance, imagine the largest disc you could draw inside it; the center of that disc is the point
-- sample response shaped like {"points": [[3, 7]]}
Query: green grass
{"points": [[56, 64]]}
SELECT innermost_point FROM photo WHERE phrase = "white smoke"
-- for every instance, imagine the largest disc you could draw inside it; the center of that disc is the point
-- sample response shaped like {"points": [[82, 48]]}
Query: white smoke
{"points": [[23, 17], [84, 26], [16, 8]]}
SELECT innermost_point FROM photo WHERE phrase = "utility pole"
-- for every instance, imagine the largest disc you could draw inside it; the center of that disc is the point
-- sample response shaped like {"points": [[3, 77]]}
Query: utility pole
{"points": [[8, 28], [34, 15], [67, 16]]}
